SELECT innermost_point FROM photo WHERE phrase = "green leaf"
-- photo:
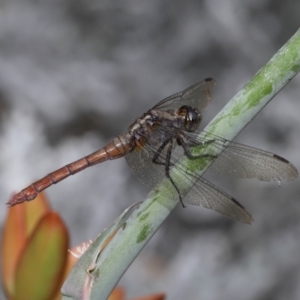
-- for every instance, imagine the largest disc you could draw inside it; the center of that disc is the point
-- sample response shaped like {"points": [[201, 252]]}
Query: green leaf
{"points": [[19, 224], [42, 263], [86, 274]]}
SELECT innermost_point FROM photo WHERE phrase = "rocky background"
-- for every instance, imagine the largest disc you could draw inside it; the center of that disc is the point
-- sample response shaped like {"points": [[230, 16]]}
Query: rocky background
{"points": [[74, 74]]}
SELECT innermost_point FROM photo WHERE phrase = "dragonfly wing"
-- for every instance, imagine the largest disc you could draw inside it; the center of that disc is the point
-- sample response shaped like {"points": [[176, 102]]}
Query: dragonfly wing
{"points": [[205, 194], [243, 161], [140, 162], [196, 96], [140, 159]]}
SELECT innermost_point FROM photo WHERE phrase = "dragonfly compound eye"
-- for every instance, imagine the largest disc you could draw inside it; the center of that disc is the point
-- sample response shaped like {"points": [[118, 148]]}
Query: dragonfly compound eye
{"points": [[192, 119], [191, 116]]}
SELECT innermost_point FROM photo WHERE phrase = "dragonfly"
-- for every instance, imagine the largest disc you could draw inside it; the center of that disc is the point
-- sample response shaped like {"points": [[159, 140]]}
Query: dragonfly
{"points": [[155, 143]]}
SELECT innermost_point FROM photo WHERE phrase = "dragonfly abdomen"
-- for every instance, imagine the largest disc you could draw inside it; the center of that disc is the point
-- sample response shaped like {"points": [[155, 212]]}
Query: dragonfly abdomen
{"points": [[118, 147]]}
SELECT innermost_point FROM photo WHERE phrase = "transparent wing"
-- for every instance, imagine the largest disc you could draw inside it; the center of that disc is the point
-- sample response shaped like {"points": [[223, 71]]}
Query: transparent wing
{"points": [[243, 161], [140, 162], [246, 162], [205, 194], [196, 96], [140, 159]]}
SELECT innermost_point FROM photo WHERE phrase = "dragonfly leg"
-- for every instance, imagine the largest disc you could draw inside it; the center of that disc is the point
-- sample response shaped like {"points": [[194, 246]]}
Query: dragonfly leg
{"points": [[158, 153], [167, 169], [167, 163], [188, 152]]}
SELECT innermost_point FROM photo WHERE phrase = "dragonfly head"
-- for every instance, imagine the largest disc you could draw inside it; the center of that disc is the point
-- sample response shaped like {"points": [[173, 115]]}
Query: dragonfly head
{"points": [[191, 116]]}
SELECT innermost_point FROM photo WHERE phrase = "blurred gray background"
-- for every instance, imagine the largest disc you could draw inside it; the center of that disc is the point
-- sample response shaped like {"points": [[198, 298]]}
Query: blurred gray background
{"points": [[74, 74]]}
